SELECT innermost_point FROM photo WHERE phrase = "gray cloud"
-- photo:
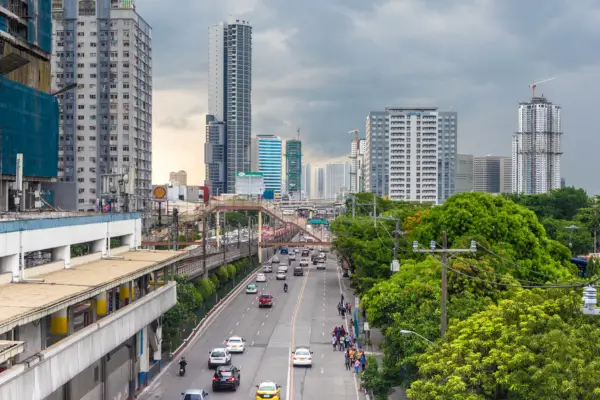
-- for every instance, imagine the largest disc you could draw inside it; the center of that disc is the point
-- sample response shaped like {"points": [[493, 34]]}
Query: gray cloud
{"points": [[323, 65]]}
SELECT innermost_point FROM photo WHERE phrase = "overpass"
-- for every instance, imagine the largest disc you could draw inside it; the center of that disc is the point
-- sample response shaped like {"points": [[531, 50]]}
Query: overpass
{"points": [[293, 244]]}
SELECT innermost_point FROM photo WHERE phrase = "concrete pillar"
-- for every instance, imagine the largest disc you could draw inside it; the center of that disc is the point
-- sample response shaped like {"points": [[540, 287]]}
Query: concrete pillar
{"points": [[144, 356], [101, 304], [59, 324], [124, 293], [115, 304], [10, 264], [62, 253], [99, 246], [128, 240], [218, 229], [259, 237]]}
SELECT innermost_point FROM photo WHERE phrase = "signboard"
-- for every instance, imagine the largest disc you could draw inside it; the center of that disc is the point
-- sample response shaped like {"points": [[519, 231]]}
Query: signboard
{"points": [[249, 183], [159, 192]]}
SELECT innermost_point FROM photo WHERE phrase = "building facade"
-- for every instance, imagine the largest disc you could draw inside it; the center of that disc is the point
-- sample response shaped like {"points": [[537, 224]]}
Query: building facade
{"points": [[230, 98], [464, 173], [357, 155], [492, 174], [178, 178], [376, 158], [214, 156], [536, 148], [106, 122], [447, 148], [319, 185], [29, 112], [337, 180], [307, 178], [413, 159], [293, 166], [268, 156]]}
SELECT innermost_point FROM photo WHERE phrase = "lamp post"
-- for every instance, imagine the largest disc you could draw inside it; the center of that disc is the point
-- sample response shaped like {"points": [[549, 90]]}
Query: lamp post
{"points": [[405, 332]]}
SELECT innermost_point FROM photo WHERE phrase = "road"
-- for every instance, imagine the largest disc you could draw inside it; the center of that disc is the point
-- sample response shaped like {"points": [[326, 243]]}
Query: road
{"points": [[304, 316]]}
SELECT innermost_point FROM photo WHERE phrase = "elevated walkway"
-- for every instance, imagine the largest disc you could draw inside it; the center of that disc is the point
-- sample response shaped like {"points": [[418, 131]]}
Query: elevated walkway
{"points": [[294, 244]]}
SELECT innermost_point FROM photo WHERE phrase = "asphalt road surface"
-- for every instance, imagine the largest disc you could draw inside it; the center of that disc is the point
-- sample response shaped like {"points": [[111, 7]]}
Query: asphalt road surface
{"points": [[304, 316]]}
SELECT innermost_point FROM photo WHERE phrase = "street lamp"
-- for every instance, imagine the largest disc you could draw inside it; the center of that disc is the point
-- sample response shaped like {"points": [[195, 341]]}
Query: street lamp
{"points": [[405, 332], [570, 228]]}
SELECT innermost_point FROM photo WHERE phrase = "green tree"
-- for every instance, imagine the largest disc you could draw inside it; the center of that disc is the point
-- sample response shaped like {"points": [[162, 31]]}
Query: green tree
{"points": [[215, 281], [562, 203], [206, 287], [375, 380], [188, 300], [231, 271], [536, 345], [222, 274]]}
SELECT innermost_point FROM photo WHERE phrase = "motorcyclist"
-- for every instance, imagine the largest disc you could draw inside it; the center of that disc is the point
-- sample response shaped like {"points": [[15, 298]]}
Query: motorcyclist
{"points": [[182, 363], [285, 287]]}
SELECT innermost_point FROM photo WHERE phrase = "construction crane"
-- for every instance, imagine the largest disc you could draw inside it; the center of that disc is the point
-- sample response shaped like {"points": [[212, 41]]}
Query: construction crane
{"points": [[534, 85]]}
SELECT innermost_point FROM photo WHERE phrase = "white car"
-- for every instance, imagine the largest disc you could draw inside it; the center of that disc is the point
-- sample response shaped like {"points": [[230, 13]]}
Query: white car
{"points": [[218, 356], [296, 250], [281, 276], [251, 289], [321, 264], [275, 260], [304, 262], [261, 278], [292, 256], [283, 268], [236, 344], [267, 269], [302, 357]]}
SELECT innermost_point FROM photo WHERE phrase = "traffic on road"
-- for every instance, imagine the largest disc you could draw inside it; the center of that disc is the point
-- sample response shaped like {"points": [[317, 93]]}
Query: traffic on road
{"points": [[266, 343]]}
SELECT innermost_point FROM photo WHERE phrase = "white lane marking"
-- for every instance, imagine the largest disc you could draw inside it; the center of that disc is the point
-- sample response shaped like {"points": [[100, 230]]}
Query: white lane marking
{"points": [[252, 344], [263, 324], [267, 316], [224, 341], [237, 323], [248, 309], [323, 333], [258, 333], [323, 324], [202, 370], [322, 370], [231, 332], [243, 315]]}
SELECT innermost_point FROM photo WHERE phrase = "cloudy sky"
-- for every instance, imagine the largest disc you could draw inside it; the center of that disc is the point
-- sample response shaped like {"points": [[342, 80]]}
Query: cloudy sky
{"points": [[323, 65]]}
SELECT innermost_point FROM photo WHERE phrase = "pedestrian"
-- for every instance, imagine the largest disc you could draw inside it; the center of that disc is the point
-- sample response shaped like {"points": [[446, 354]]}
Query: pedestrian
{"points": [[356, 366], [349, 308], [348, 361], [334, 341], [363, 362], [339, 309], [343, 310], [347, 338], [342, 299]]}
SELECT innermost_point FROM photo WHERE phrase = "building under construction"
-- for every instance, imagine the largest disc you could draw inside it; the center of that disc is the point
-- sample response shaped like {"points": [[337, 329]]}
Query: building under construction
{"points": [[536, 148], [28, 111], [293, 159]]}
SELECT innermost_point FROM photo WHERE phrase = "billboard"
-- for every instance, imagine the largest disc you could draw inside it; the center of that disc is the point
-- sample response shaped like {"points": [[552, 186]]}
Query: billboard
{"points": [[249, 183]]}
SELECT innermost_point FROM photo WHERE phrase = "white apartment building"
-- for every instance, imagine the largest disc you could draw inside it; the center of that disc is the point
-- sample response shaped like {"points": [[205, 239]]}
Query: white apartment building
{"points": [[536, 148], [357, 177], [105, 48], [413, 154]]}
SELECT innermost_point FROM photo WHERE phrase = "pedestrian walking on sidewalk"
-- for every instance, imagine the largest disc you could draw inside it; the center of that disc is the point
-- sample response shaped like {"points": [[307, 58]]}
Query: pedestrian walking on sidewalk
{"points": [[356, 366], [334, 341], [348, 360]]}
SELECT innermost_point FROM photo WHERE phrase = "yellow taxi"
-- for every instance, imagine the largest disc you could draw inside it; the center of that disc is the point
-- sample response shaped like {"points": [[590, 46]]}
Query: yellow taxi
{"points": [[268, 390]]}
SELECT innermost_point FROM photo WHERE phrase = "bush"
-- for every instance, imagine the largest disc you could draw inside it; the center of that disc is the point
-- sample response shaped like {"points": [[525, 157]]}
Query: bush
{"points": [[222, 274], [215, 281], [232, 271], [206, 287]]}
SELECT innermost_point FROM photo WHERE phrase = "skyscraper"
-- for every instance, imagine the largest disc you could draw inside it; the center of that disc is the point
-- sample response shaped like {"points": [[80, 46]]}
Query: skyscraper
{"points": [[492, 174], [319, 185], [230, 100], [536, 148], [106, 49], [337, 180], [447, 148], [377, 153], [413, 154], [293, 162], [307, 181], [268, 159], [357, 155], [464, 173]]}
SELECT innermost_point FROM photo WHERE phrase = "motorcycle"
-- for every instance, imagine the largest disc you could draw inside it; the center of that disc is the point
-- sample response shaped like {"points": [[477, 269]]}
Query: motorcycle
{"points": [[285, 288], [181, 369]]}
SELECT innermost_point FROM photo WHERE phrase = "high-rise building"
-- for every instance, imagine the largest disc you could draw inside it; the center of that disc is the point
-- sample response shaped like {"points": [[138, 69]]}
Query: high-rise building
{"points": [[230, 99], [319, 185], [447, 148], [536, 148], [464, 173], [337, 180], [178, 178], [307, 181], [492, 174], [106, 49], [376, 168], [29, 113], [293, 166], [357, 155], [214, 156], [413, 156], [254, 154], [268, 156]]}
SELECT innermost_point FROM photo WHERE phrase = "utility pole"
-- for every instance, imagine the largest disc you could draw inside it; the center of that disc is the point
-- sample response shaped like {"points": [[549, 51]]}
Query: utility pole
{"points": [[374, 210], [445, 251], [175, 228], [353, 206], [396, 232]]}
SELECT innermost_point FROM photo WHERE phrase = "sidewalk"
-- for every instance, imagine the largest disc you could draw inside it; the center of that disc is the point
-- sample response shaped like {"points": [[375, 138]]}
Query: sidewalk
{"points": [[375, 335]]}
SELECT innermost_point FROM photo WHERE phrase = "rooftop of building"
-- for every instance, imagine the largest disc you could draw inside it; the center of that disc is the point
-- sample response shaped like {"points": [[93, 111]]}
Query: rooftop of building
{"points": [[12, 222], [21, 303]]}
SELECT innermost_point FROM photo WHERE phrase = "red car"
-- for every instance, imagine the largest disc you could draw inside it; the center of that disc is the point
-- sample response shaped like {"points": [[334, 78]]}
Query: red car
{"points": [[265, 300]]}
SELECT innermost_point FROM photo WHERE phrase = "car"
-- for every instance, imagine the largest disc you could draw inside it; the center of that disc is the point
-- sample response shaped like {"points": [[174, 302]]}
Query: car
{"points": [[296, 250], [298, 271], [305, 253], [281, 276], [292, 256], [284, 250], [226, 377], [321, 264], [322, 255], [311, 247], [268, 390], [265, 300], [261, 278], [302, 357], [218, 356], [194, 394], [252, 289], [304, 262], [236, 344], [267, 269], [275, 260], [283, 268]]}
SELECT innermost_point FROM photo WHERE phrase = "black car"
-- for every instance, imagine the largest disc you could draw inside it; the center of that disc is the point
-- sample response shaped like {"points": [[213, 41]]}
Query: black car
{"points": [[298, 271], [226, 377]]}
